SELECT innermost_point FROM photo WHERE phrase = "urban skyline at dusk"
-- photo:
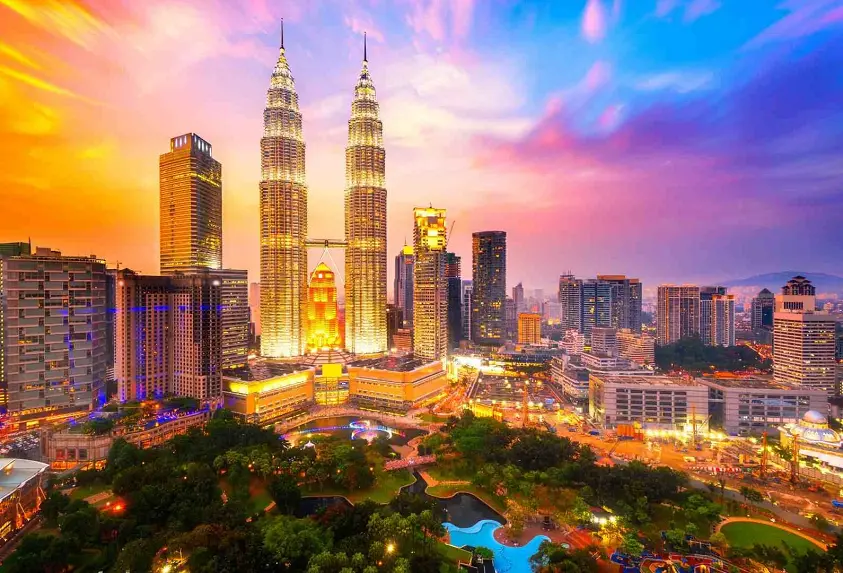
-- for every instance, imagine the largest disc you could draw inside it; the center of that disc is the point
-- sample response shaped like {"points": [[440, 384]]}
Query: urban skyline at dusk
{"points": [[674, 141]]}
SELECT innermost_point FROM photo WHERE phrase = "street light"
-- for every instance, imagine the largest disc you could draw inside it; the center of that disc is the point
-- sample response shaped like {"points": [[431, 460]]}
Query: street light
{"points": [[390, 547]]}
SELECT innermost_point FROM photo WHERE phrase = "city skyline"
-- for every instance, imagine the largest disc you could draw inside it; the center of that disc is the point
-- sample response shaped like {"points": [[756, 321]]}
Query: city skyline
{"points": [[96, 88]]}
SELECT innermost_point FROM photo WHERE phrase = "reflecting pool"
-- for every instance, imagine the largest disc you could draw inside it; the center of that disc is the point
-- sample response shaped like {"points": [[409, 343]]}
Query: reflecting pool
{"points": [[507, 559]]}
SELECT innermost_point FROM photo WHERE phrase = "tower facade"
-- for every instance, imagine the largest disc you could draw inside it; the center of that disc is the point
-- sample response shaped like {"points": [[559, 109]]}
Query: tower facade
{"points": [[365, 222], [430, 293], [190, 181], [488, 265], [283, 218], [571, 302], [763, 306], [323, 331], [453, 276], [626, 301], [677, 313], [404, 262]]}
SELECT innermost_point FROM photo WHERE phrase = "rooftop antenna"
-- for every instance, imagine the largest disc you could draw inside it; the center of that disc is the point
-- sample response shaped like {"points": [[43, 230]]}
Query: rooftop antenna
{"points": [[365, 56], [282, 33]]}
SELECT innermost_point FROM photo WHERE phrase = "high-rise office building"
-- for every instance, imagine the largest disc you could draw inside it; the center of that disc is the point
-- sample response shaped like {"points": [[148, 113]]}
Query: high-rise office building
{"points": [[596, 305], [323, 331], [191, 235], [453, 276], [53, 336], [404, 284], [488, 265], [430, 287], [707, 312], [510, 319], [722, 330], [677, 313], [467, 293], [529, 328], [190, 182], [234, 315], [110, 309], [168, 335], [283, 218], [803, 338], [255, 306], [365, 222], [15, 249], [763, 306], [626, 301], [570, 302], [518, 298], [394, 323]]}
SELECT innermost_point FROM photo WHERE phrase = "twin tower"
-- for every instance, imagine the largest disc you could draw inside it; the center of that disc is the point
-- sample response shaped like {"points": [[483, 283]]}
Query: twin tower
{"points": [[283, 220]]}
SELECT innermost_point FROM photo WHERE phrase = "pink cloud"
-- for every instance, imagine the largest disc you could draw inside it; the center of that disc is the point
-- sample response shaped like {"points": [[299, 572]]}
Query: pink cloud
{"points": [[440, 20], [698, 8], [610, 117], [359, 25], [593, 21], [804, 19], [462, 12], [598, 75]]}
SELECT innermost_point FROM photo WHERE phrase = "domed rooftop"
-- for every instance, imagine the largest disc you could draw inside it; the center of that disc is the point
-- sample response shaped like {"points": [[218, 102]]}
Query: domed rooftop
{"points": [[814, 417]]}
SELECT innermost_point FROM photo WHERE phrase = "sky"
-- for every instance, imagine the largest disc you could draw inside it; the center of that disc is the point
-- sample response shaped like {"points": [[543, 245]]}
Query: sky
{"points": [[671, 140]]}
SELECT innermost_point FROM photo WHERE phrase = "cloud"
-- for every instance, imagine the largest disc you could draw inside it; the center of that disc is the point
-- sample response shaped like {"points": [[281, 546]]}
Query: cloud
{"points": [[593, 21], [804, 18], [66, 18], [440, 19], [691, 9], [677, 81], [361, 24]]}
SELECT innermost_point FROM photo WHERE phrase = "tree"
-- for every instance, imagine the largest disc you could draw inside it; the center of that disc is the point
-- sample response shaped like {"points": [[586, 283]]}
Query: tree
{"points": [[40, 553], [718, 540], [137, 555], [770, 555], [820, 522], [630, 545], [554, 558], [55, 504], [80, 528], [293, 541], [751, 495], [285, 493], [484, 552]]}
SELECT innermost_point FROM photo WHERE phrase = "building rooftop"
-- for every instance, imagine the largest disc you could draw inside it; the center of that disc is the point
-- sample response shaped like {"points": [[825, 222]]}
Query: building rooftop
{"points": [[15, 472], [394, 363], [648, 380], [749, 382], [264, 370]]}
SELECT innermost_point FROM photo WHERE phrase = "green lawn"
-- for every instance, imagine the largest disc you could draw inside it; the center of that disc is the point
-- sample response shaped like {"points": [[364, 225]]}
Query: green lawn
{"points": [[88, 490], [748, 534], [386, 487], [452, 553], [433, 418]]}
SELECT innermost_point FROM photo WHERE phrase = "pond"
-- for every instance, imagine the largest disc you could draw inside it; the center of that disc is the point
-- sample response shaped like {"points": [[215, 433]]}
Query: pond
{"points": [[506, 559], [353, 427], [314, 504], [461, 509]]}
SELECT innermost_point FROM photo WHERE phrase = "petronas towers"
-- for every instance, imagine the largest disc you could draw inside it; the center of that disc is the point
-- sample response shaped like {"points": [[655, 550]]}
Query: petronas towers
{"points": [[283, 220]]}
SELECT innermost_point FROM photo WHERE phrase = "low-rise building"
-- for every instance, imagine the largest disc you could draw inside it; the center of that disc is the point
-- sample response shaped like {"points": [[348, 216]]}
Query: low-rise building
{"points": [[529, 328], [655, 402], [640, 348], [264, 391], [69, 448], [395, 383], [21, 493], [743, 405]]}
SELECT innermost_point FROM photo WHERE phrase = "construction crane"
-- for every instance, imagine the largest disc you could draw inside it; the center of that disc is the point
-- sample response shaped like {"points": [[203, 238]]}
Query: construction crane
{"points": [[763, 473], [794, 459]]}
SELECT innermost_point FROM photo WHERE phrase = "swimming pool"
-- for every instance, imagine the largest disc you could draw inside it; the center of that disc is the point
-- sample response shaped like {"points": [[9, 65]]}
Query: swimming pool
{"points": [[507, 559]]}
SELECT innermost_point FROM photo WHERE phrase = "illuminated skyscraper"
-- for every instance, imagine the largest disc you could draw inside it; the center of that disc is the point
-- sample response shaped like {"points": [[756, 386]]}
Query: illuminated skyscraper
{"points": [[404, 284], [323, 330], [430, 289], [365, 222], [488, 262], [677, 313], [190, 181], [454, 280], [283, 218]]}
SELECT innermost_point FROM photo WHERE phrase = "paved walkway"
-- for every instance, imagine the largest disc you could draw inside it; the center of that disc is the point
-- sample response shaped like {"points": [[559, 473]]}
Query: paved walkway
{"points": [[98, 497], [805, 536]]}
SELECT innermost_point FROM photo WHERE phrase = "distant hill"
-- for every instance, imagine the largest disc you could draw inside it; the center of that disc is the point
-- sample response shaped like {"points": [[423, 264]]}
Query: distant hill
{"points": [[825, 283]]}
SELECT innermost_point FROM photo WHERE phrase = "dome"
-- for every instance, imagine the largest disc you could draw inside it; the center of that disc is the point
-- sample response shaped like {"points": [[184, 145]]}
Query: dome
{"points": [[814, 417]]}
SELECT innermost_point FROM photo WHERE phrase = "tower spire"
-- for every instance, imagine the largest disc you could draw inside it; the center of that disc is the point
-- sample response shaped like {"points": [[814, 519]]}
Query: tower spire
{"points": [[282, 33], [365, 57]]}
